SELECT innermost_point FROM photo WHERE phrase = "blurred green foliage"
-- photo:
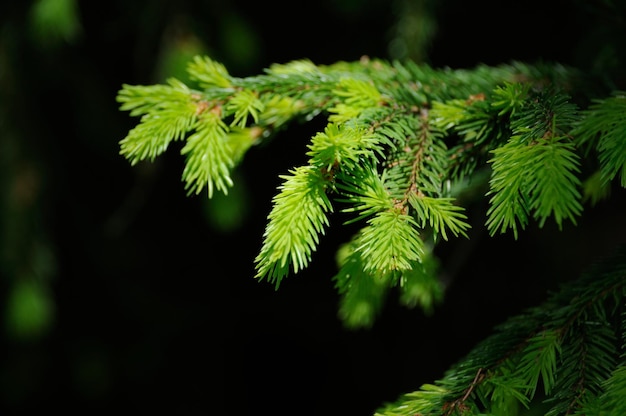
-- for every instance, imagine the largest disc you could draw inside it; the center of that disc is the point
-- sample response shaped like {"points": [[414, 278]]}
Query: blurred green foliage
{"points": [[55, 21]]}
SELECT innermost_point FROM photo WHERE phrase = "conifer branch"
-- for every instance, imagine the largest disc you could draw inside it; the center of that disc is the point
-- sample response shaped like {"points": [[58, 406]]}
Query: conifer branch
{"points": [[390, 242], [208, 157], [405, 150], [362, 293], [603, 129], [440, 213], [295, 223], [420, 285], [572, 346], [401, 141], [168, 112], [208, 73], [535, 171]]}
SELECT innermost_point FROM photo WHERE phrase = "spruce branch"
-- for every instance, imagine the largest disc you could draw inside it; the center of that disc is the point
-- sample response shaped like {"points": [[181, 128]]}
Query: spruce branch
{"points": [[611, 401], [401, 141], [536, 170], [508, 203], [356, 95], [440, 214], [406, 148], [572, 345], [341, 147], [420, 285], [502, 392], [389, 242], [208, 73], [244, 104], [603, 128], [588, 360], [209, 158], [554, 185], [365, 192], [295, 223], [168, 112], [510, 97], [361, 293], [144, 99]]}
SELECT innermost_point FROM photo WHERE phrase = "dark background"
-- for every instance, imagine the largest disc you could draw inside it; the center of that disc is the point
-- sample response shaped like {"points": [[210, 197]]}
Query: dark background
{"points": [[122, 293]]}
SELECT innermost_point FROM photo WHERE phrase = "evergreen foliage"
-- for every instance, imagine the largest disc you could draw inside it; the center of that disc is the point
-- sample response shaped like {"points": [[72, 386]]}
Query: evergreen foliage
{"points": [[571, 349], [403, 146]]}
